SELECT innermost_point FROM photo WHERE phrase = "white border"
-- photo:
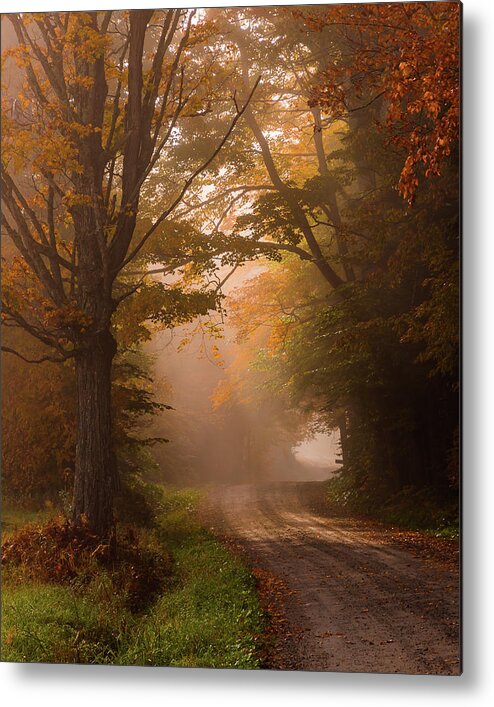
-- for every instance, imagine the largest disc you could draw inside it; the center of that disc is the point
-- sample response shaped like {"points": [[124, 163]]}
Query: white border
{"points": [[81, 686]]}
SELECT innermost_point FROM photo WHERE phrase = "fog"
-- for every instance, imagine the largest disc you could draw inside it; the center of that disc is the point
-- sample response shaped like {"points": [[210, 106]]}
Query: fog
{"points": [[243, 441]]}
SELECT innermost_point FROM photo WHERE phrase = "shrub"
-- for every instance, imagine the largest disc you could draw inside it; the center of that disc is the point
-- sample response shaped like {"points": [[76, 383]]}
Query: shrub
{"points": [[63, 553]]}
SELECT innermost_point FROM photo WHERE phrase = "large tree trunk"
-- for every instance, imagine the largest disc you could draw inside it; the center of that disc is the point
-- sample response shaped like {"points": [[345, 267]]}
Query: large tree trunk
{"points": [[95, 467]]}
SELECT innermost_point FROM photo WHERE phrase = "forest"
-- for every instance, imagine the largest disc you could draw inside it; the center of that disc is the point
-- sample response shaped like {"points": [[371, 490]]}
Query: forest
{"points": [[226, 234]]}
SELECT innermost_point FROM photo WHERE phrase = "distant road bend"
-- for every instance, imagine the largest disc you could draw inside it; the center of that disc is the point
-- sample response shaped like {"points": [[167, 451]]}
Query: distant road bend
{"points": [[354, 600]]}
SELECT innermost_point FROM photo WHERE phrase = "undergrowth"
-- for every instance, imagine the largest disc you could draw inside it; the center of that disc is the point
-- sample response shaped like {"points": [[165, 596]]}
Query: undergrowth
{"points": [[95, 609], [411, 508], [14, 519], [59, 552]]}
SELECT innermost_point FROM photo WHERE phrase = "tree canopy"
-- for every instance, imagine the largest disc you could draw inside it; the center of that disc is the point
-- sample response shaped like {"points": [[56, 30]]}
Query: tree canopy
{"points": [[149, 158]]}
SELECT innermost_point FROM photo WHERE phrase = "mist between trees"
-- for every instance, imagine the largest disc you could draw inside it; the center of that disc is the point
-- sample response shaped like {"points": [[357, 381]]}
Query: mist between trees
{"points": [[225, 231]]}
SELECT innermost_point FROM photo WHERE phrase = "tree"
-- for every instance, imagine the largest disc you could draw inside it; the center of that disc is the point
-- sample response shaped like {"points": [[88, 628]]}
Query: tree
{"points": [[121, 202], [99, 109], [38, 459], [404, 57], [380, 351]]}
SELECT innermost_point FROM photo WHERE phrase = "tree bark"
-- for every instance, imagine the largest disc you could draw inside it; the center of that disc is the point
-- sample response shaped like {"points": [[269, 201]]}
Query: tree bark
{"points": [[95, 466], [342, 424]]}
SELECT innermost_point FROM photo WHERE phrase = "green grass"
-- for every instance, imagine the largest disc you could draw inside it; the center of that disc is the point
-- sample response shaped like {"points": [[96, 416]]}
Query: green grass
{"points": [[209, 617], [54, 624]]}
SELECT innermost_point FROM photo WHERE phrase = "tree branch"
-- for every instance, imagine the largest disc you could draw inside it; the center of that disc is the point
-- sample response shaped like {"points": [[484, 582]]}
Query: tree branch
{"points": [[41, 359], [244, 188], [329, 274], [190, 180]]}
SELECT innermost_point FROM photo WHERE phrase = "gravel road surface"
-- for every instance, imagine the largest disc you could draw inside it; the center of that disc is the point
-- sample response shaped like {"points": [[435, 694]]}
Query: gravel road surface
{"points": [[353, 598]]}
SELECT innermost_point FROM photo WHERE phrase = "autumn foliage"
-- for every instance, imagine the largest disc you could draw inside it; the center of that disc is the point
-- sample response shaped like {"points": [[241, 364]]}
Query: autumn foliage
{"points": [[63, 553], [406, 57], [150, 156], [366, 111]]}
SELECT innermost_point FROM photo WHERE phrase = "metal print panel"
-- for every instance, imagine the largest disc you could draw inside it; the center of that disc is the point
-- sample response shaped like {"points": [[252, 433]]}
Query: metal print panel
{"points": [[230, 312]]}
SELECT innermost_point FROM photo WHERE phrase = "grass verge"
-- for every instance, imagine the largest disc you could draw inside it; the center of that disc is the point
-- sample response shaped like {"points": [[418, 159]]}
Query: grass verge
{"points": [[208, 616], [411, 508]]}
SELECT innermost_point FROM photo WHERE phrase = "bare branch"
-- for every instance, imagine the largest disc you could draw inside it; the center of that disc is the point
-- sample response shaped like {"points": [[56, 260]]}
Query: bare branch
{"points": [[243, 188], [266, 246], [42, 336], [191, 179], [41, 359]]}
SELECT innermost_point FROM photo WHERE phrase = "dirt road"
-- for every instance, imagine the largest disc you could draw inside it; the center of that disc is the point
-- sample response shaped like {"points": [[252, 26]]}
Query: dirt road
{"points": [[353, 600]]}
